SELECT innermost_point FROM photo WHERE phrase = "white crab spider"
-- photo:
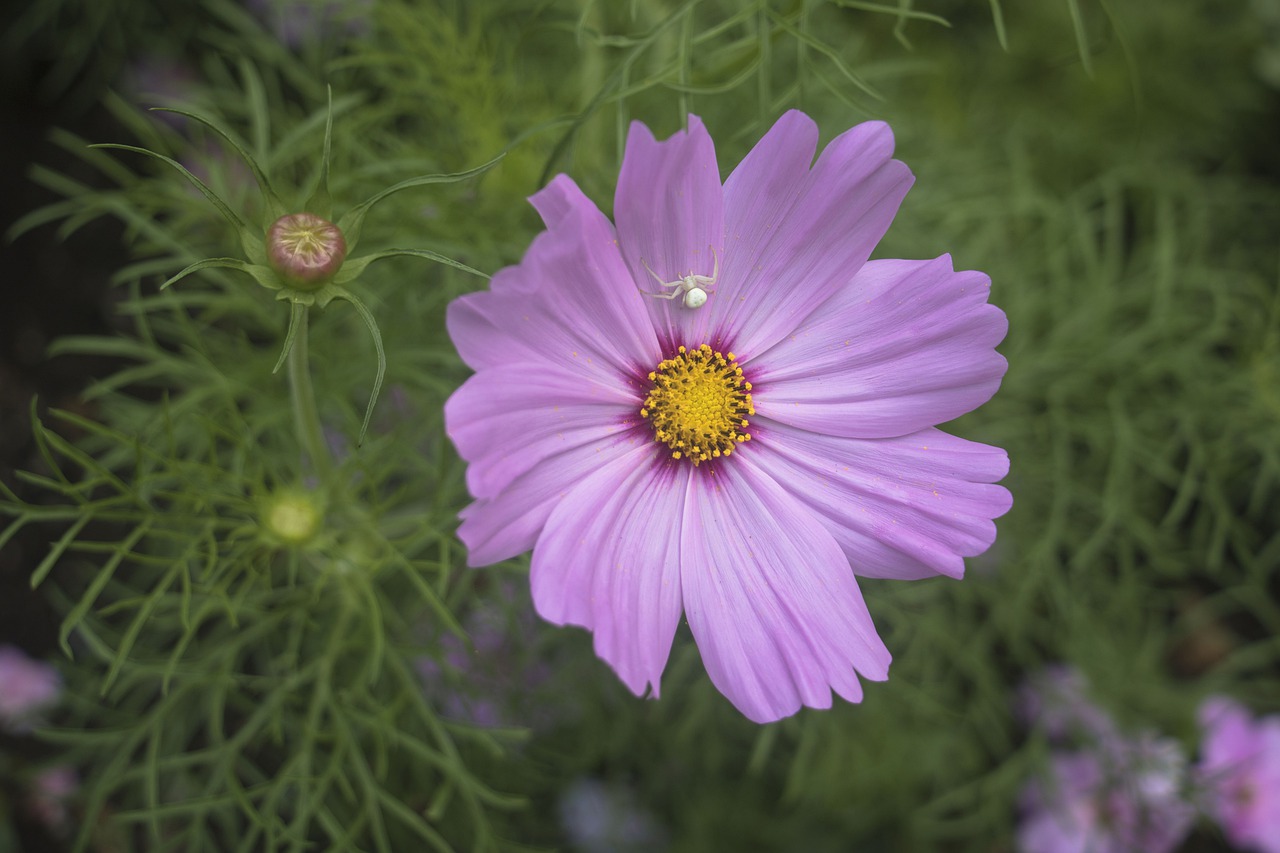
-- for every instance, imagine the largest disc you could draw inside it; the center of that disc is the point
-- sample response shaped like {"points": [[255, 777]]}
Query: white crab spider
{"points": [[694, 288]]}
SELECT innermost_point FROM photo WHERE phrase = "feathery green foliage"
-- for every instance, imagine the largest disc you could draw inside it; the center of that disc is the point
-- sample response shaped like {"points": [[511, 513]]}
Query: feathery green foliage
{"points": [[241, 679]]}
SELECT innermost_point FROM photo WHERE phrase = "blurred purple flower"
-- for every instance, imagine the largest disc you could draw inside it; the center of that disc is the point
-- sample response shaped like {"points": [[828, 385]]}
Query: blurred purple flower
{"points": [[1112, 793], [225, 173], [1124, 797], [26, 687], [489, 679], [1056, 702], [50, 796], [735, 440], [599, 818], [156, 80], [300, 22], [1240, 769]]}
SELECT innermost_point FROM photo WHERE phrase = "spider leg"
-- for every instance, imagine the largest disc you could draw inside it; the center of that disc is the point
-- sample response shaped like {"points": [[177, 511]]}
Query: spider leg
{"points": [[668, 296], [656, 277], [692, 280]]}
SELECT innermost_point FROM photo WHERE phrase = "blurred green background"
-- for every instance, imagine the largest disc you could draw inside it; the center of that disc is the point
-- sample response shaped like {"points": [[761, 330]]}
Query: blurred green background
{"points": [[1112, 164]]}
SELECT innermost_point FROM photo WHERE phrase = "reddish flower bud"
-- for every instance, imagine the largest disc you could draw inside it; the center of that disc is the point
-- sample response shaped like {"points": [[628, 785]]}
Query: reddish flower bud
{"points": [[305, 250]]}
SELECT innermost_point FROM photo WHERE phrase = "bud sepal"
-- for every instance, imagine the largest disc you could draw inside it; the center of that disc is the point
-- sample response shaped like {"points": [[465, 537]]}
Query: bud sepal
{"points": [[303, 256]]}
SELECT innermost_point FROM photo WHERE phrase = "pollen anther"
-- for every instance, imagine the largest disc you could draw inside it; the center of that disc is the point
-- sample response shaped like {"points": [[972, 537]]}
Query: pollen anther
{"points": [[699, 404]]}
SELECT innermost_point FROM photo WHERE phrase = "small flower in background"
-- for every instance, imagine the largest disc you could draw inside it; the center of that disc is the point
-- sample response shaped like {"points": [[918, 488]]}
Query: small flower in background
{"points": [[1240, 770], [1122, 796], [222, 171], [1105, 792], [298, 23], [157, 80], [490, 679], [50, 797], [598, 818], [26, 688], [722, 408], [1056, 701]]}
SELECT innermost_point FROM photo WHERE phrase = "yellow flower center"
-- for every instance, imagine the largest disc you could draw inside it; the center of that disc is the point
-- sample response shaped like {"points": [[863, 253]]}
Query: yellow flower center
{"points": [[699, 404]]}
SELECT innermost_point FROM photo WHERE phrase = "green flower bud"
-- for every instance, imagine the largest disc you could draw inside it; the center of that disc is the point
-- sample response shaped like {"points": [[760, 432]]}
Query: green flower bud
{"points": [[291, 517], [305, 250]]}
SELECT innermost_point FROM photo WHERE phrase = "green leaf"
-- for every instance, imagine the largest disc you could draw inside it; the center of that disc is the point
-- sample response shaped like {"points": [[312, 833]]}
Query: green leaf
{"points": [[58, 549], [140, 620], [353, 219], [901, 12], [99, 583], [997, 18], [275, 207], [353, 268], [827, 51], [259, 112], [1082, 37], [295, 315], [372, 324], [320, 202], [227, 213], [224, 263]]}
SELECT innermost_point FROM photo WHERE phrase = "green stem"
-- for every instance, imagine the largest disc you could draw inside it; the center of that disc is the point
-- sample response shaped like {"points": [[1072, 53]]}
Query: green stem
{"points": [[306, 419]]}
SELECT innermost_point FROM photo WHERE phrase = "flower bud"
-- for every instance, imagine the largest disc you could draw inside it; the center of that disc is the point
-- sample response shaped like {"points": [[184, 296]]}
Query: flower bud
{"points": [[305, 250], [291, 517]]}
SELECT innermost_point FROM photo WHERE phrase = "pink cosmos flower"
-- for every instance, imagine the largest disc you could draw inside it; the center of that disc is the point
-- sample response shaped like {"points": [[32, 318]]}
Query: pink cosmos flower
{"points": [[1240, 764], [739, 452]]}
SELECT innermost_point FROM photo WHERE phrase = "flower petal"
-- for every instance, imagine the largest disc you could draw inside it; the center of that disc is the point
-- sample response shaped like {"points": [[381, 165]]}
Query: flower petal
{"points": [[570, 301], [904, 508], [506, 420], [609, 560], [770, 598], [498, 528], [795, 236], [669, 210], [474, 321], [907, 345]]}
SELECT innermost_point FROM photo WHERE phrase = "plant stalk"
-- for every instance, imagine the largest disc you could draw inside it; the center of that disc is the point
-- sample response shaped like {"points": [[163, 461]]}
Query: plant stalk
{"points": [[306, 418]]}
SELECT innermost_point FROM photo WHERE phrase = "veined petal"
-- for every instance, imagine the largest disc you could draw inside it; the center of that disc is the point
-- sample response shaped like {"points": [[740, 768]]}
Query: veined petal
{"points": [[609, 560], [570, 301], [904, 508], [498, 528], [505, 420], [907, 345], [670, 217], [795, 237], [770, 598], [475, 321]]}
